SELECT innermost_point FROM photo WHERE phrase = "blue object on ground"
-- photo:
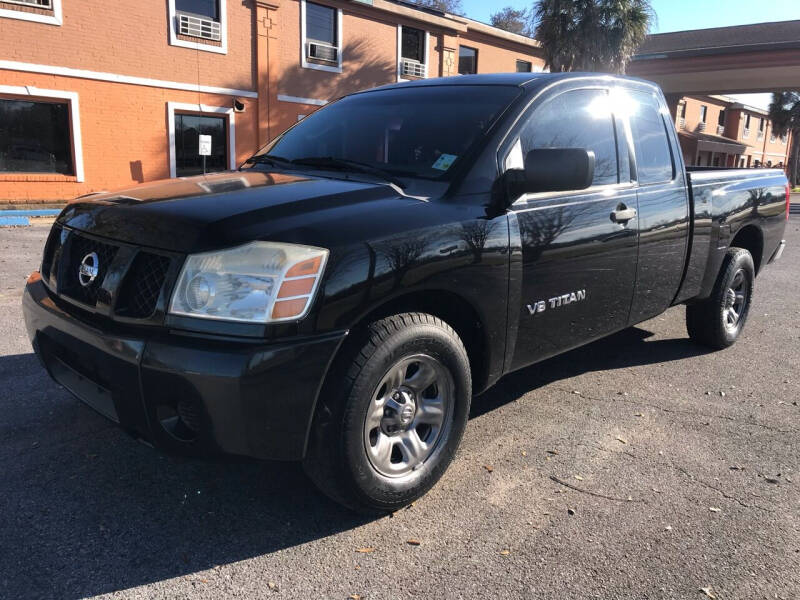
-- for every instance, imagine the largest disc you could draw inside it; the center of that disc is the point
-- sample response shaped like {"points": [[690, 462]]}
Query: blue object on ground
{"points": [[14, 221], [40, 212]]}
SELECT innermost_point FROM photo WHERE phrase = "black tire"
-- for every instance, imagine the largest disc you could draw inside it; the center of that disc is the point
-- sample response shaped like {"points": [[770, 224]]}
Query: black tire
{"points": [[709, 322], [337, 459]]}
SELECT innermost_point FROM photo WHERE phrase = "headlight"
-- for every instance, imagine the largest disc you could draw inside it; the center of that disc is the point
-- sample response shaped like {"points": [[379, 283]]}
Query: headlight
{"points": [[261, 282]]}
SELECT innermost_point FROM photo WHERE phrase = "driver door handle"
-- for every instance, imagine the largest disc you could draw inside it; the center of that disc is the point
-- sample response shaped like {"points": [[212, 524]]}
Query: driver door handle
{"points": [[623, 214]]}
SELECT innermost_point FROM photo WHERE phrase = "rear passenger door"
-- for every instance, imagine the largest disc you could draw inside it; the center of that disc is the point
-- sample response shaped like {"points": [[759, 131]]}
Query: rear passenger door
{"points": [[663, 203], [578, 263]]}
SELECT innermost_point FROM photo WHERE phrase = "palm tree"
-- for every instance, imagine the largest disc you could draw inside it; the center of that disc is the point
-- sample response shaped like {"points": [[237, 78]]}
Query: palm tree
{"points": [[591, 35], [784, 112]]}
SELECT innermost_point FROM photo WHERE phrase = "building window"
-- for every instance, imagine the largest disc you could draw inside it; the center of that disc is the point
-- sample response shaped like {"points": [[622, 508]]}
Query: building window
{"points": [[44, 11], [321, 37], [413, 53], [199, 25], [703, 113], [188, 128], [467, 60], [186, 122], [202, 8], [35, 137], [721, 118], [523, 66], [761, 123]]}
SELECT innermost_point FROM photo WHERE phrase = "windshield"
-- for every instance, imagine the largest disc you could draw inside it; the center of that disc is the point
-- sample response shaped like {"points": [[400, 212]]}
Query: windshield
{"points": [[412, 132]]}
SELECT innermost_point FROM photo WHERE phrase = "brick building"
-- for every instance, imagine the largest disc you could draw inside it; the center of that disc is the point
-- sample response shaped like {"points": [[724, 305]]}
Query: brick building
{"points": [[719, 131], [94, 99]]}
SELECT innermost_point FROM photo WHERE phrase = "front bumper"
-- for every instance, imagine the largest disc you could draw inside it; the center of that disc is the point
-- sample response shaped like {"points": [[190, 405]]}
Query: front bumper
{"points": [[187, 394]]}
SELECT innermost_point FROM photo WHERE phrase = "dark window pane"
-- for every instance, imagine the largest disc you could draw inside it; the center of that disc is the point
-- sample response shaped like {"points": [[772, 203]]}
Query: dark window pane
{"points": [[188, 128], [721, 118], [577, 119], [321, 23], [203, 8], [653, 158], [414, 132], [703, 113], [523, 66], [413, 44], [35, 137], [467, 60]]}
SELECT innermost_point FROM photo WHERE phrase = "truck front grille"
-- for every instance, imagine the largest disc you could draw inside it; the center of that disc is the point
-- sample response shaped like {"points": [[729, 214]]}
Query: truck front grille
{"points": [[142, 287], [129, 280], [79, 248]]}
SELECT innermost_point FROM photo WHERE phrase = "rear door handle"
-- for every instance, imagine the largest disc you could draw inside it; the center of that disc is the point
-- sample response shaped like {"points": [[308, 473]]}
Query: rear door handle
{"points": [[623, 214]]}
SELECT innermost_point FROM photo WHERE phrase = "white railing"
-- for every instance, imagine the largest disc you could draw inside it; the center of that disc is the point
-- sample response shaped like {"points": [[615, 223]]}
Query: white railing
{"points": [[720, 129], [681, 123], [746, 133], [199, 27], [701, 126], [760, 135], [412, 68]]}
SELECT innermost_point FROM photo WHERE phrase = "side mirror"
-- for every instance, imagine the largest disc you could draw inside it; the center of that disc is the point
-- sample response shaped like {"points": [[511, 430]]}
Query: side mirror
{"points": [[553, 170]]}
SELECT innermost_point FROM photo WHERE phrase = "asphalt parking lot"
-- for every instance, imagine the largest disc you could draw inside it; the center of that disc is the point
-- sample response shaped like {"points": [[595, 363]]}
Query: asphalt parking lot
{"points": [[682, 472]]}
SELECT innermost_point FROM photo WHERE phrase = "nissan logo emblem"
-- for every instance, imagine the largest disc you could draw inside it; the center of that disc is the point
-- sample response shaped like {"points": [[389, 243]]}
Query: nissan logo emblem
{"points": [[90, 267]]}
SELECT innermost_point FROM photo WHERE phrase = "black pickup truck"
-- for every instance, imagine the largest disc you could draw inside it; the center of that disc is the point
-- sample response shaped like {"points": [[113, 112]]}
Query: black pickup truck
{"points": [[342, 296]]}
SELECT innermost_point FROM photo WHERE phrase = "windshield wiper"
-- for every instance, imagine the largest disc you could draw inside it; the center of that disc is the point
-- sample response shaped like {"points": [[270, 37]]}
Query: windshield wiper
{"points": [[343, 164], [275, 161]]}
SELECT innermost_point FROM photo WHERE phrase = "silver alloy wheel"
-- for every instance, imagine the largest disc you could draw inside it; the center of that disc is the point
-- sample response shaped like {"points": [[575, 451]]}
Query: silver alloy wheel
{"points": [[409, 415], [735, 298]]}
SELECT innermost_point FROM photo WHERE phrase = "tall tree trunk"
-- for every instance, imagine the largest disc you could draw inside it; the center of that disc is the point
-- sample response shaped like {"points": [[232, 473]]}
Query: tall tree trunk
{"points": [[794, 167]]}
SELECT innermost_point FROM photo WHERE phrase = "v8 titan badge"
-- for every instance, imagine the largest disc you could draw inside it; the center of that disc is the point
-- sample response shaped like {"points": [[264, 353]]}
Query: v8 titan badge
{"points": [[556, 302]]}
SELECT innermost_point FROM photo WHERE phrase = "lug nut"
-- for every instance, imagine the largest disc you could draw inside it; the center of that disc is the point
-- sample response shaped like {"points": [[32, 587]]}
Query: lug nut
{"points": [[396, 396]]}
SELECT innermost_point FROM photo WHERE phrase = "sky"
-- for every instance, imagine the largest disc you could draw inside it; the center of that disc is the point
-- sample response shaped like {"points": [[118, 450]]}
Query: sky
{"points": [[679, 15]]}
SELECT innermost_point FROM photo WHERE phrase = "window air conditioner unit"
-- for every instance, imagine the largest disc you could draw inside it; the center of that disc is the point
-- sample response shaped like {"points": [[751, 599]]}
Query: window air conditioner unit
{"points": [[35, 3], [701, 127], [746, 133], [199, 27], [412, 67], [324, 52], [720, 129]]}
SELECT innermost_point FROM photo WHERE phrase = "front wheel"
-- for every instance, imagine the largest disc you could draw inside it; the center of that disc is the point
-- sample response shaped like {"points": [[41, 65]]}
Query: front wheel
{"points": [[391, 414], [718, 321]]}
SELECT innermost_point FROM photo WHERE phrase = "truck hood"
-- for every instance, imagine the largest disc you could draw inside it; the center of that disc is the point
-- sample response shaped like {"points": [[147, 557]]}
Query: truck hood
{"points": [[193, 214]]}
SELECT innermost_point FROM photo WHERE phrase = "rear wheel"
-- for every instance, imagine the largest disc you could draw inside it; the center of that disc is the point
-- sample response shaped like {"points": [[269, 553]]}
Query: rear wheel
{"points": [[718, 321], [391, 415]]}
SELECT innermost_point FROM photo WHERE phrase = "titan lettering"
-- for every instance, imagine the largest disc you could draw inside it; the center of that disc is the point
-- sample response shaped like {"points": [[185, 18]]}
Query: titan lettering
{"points": [[556, 302]]}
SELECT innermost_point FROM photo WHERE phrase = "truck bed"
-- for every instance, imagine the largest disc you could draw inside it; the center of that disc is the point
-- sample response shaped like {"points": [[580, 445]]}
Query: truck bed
{"points": [[728, 204]]}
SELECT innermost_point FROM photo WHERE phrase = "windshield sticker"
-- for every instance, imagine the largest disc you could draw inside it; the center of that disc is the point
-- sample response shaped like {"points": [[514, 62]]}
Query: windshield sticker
{"points": [[444, 162]]}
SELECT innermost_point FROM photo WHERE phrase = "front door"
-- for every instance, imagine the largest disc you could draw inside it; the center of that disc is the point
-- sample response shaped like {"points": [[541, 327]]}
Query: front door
{"points": [[579, 249]]}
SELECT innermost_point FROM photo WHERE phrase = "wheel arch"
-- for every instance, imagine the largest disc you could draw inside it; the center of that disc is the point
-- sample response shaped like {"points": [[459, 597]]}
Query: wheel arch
{"points": [[751, 238], [454, 310]]}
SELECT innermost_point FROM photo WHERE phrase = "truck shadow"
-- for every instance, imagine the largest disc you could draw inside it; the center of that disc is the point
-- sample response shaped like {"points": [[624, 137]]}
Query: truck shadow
{"points": [[86, 510], [628, 348]]}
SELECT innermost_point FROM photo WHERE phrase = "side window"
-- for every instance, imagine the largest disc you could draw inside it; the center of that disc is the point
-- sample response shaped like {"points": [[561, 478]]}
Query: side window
{"points": [[576, 119], [653, 156]]}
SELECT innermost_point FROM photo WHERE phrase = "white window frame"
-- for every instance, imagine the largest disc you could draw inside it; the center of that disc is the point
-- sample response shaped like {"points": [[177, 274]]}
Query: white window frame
{"points": [[55, 19], [304, 42], [400, 52], [223, 27], [74, 119], [200, 109]]}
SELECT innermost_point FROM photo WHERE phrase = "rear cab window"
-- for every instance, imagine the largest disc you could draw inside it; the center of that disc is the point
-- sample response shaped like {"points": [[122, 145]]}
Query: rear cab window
{"points": [[654, 162]]}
